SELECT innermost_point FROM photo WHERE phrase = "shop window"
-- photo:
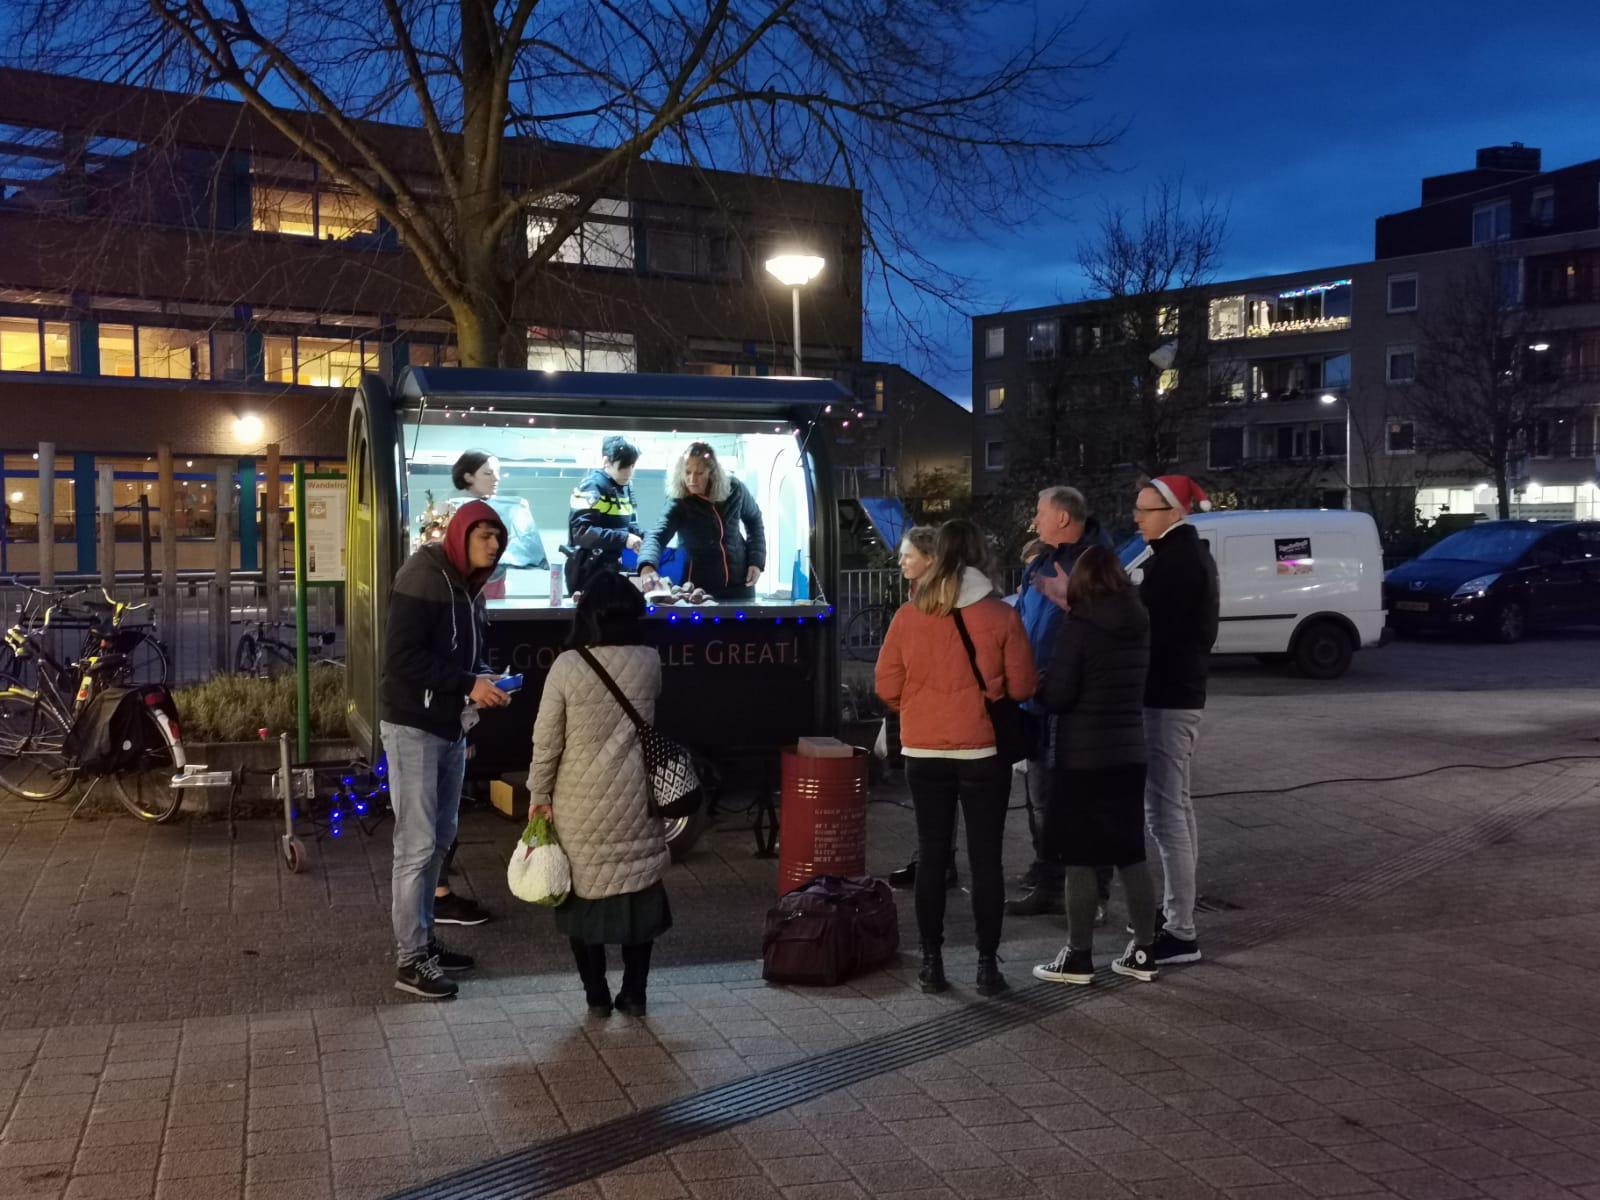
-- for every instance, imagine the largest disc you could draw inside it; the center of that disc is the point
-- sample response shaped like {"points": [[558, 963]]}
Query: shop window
{"points": [[29, 344]]}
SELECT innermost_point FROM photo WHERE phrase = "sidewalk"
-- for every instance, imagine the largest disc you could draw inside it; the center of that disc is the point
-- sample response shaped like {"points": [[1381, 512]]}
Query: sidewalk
{"points": [[1398, 999]]}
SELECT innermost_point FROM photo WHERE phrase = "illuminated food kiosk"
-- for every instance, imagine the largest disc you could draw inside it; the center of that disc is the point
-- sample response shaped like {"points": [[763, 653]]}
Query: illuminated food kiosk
{"points": [[741, 678]]}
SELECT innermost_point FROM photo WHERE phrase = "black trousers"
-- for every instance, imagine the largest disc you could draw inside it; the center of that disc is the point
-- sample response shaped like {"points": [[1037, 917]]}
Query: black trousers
{"points": [[980, 788], [591, 960]]}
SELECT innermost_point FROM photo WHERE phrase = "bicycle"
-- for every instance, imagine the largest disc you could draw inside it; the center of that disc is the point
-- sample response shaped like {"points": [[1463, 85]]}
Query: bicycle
{"points": [[262, 653], [142, 655], [862, 635], [39, 757]]}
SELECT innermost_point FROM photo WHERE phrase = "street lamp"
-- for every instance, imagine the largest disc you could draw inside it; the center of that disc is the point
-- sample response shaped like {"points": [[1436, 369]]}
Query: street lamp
{"points": [[1349, 450], [795, 271]]}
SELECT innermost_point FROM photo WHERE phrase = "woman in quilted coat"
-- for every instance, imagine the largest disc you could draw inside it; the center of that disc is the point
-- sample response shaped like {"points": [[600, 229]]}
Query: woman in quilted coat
{"points": [[588, 775]]}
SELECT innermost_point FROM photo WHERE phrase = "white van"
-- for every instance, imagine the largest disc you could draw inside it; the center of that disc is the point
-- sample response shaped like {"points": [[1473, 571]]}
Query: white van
{"points": [[1300, 584]]}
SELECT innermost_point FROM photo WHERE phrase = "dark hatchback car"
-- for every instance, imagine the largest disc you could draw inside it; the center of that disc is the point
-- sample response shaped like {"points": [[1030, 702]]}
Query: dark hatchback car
{"points": [[1500, 579]]}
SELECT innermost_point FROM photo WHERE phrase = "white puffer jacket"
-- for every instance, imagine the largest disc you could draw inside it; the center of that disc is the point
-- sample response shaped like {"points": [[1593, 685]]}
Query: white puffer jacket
{"points": [[587, 765]]}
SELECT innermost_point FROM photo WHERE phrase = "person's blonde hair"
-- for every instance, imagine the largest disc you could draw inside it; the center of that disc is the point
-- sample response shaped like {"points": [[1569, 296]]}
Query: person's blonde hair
{"points": [[719, 486], [960, 544]]}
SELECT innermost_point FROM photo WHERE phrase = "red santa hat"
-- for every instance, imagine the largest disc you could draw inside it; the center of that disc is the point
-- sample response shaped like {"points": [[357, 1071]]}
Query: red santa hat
{"points": [[1183, 493]]}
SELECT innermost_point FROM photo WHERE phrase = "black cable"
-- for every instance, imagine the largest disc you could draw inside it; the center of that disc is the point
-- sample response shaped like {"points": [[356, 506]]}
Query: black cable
{"points": [[1296, 787]]}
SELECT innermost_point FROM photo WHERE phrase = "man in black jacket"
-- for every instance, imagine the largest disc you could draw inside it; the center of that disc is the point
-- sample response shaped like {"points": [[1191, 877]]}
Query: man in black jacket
{"points": [[434, 679], [604, 521], [1179, 590]]}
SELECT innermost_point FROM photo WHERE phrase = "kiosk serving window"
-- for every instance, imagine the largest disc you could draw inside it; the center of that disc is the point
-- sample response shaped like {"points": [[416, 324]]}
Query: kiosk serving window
{"points": [[541, 460]]}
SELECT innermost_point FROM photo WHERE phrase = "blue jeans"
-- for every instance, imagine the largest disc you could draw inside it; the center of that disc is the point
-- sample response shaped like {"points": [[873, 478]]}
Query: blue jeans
{"points": [[1170, 735], [425, 777]]}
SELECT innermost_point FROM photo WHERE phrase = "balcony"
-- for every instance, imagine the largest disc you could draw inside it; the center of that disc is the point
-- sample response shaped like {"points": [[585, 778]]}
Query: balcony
{"points": [[1315, 308]]}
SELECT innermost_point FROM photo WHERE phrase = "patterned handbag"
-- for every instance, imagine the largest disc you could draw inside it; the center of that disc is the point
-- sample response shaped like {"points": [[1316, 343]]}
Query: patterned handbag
{"points": [[675, 788]]}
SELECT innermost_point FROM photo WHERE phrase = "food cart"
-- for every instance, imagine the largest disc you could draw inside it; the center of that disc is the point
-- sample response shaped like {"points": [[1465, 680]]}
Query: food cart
{"points": [[741, 679]]}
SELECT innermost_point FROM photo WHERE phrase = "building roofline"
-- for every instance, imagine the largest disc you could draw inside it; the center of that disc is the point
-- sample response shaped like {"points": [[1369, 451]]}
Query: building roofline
{"points": [[1502, 185]]}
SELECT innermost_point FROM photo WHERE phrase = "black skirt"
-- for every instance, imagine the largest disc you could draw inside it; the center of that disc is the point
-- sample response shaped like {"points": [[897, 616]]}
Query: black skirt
{"points": [[1096, 816], [623, 920]]}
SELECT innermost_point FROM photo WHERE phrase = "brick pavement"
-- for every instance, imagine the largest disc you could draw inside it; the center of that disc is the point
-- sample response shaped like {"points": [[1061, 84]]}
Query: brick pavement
{"points": [[182, 1019]]}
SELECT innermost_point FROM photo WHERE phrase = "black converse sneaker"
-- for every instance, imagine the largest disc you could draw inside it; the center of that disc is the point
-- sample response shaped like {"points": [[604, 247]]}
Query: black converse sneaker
{"points": [[450, 960], [1169, 948], [423, 977], [1137, 962], [1070, 966]]}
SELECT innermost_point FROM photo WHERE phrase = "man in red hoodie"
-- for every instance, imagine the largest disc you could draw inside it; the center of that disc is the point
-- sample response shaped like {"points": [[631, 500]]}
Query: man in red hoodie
{"points": [[434, 680]]}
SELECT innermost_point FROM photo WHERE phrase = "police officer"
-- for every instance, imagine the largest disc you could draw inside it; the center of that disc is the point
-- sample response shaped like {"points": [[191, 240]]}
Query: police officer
{"points": [[604, 521]]}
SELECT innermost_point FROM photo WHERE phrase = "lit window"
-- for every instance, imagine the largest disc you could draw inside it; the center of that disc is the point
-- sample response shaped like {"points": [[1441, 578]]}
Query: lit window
{"points": [[1491, 222], [1402, 293], [994, 341], [292, 198], [174, 353], [27, 344], [1401, 364], [994, 398], [1044, 338], [278, 359], [329, 362], [605, 239], [116, 351], [1227, 318], [572, 350], [1167, 381]]}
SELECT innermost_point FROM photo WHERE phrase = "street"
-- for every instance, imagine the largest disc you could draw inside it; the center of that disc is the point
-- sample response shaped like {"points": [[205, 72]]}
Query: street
{"points": [[1397, 996]]}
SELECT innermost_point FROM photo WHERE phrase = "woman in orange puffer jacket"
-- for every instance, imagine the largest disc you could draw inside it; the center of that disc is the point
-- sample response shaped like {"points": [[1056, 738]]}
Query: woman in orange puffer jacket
{"points": [[924, 674]]}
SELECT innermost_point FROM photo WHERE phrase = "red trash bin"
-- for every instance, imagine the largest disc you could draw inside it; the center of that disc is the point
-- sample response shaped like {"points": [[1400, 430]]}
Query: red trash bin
{"points": [[823, 823]]}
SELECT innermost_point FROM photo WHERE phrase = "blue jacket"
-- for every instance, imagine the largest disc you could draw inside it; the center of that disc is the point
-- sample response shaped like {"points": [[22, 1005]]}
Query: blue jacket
{"points": [[1040, 616]]}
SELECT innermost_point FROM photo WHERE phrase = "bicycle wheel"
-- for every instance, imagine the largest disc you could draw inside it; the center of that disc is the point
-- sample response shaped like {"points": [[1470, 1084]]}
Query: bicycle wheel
{"points": [[863, 634], [148, 661], [33, 737], [146, 790], [244, 658]]}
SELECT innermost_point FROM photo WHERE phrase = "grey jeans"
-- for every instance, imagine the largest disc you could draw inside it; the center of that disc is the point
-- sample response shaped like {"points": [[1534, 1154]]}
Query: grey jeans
{"points": [[425, 776], [1170, 735]]}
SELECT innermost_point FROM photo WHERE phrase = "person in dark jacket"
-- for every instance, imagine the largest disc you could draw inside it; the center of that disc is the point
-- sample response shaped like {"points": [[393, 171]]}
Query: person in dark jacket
{"points": [[1064, 524], [604, 521], [433, 677], [717, 524], [1179, 590], [1094, 684]]}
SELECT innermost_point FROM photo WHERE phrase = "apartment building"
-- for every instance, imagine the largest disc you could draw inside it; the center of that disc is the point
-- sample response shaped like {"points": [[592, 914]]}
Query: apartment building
{"points": [[1299, 388], [172, 271]]}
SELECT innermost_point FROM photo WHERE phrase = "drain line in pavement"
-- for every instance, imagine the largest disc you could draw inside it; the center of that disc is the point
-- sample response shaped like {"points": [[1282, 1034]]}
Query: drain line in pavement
{"points": [[586, 1154]]}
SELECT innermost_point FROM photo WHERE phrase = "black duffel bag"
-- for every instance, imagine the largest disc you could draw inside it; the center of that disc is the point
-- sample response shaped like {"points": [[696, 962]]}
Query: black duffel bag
{"points": [[829, 929]]}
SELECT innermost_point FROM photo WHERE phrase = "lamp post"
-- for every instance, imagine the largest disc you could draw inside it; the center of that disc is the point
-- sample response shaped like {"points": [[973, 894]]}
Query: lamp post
{"points": [[1349, 451], [795, 271]]}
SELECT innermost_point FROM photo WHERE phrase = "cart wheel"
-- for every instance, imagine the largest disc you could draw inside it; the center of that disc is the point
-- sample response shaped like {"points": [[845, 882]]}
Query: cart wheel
{"points": [[294, 854]]}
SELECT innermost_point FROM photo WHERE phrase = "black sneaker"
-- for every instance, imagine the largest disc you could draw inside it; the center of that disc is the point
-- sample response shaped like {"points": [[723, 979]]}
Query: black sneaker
{"points": [[629, 1006], [1139, 962], [1070, 966], [905, 877], [1169, 949], [931, 978], [449, 960], [1039, 902], [423, 977], [451, 909]]}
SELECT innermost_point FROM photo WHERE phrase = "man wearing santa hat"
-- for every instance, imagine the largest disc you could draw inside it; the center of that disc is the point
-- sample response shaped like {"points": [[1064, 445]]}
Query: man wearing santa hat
{"points": [[1179, 590]]}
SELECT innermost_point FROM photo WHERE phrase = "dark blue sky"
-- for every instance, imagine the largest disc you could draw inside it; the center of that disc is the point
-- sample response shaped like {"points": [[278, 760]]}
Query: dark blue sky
{"points": [[1305, 121]]}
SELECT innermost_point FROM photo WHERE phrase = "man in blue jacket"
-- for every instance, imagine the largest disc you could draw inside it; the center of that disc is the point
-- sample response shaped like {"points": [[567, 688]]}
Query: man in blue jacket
{"points": [[1063, 523]]}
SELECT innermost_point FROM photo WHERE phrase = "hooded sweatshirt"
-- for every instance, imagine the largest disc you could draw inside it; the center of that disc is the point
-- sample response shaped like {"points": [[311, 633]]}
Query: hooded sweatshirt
{"points": [[1094, 681], [434, 640], [924, 674]]}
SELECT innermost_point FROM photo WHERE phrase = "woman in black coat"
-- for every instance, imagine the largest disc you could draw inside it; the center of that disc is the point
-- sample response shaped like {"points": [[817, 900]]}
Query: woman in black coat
{"points": [[718, 526], [1095, 683]]}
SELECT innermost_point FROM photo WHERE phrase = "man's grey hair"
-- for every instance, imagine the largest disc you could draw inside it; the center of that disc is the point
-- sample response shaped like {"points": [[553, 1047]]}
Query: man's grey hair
{"points": [[1069, 500]]}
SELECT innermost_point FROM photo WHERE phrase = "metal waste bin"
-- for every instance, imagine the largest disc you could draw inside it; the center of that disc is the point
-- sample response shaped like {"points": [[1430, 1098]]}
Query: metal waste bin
{"points": [[823, 819]]}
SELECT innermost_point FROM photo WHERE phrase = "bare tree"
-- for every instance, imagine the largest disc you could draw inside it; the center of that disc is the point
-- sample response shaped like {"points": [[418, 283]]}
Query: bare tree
{"points": [[937, 122], [1485, 372], [1115, 387]]}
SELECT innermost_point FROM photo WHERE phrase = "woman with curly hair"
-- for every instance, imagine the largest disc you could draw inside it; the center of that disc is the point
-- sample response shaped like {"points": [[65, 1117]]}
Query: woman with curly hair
{"points": [[717, 524]]}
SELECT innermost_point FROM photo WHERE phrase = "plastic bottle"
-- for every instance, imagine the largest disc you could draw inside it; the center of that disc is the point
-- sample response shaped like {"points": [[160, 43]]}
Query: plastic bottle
{"points": [[800, 585], [555, 587]]}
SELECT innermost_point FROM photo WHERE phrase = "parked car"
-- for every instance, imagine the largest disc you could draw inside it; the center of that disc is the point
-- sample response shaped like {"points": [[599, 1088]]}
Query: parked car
{"points": [[1297, 585], [1500, 579]]}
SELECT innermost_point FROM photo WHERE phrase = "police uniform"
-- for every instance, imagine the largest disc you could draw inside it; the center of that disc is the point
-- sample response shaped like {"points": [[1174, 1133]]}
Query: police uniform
{"points": [[602, 517]]}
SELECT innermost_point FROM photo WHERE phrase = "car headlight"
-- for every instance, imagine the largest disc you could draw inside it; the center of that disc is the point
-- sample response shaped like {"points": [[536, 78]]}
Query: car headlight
{"points": [[1475, 587]]}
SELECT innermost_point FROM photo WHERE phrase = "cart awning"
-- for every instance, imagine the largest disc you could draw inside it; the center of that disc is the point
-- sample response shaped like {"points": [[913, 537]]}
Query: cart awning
{"points": [[533, 391]]}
